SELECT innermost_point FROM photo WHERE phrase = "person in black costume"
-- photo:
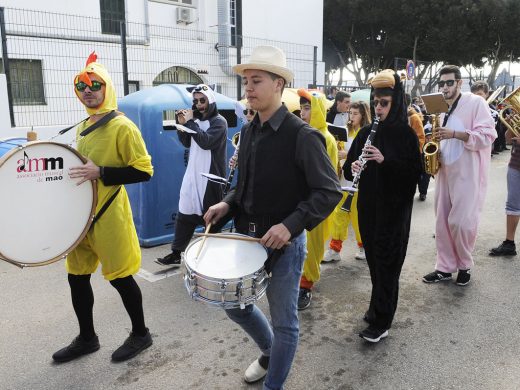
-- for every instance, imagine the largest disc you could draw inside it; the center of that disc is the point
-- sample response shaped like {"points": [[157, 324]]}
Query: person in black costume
{"points": [[385, 200]]}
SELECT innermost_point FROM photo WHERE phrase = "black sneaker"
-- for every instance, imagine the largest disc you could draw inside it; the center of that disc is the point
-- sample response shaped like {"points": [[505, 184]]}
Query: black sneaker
{"points": [[507, 248], [422, 197], [463, 277], [304, 298], [172, 260], [77, 348], [373, 334], [132, 346], [436, 276]]}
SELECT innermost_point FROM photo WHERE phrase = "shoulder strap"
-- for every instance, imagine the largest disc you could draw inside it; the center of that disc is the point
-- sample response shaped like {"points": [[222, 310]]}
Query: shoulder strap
{"points": [[71, 127], [94, 126], [107, 118], [105, 207]]}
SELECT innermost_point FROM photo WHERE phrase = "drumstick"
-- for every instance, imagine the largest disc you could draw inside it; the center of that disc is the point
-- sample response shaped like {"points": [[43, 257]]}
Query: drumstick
{"points": [[232, 237], [204, 239]]}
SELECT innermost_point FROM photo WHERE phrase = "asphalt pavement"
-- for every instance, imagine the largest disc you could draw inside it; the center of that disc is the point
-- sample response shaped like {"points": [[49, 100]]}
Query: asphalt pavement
{"points": [[444, 336]]}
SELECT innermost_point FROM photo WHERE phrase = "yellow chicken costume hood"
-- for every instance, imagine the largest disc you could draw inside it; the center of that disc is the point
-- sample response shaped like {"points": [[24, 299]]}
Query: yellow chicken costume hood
{"points": [[318, 109], [110, 102]]}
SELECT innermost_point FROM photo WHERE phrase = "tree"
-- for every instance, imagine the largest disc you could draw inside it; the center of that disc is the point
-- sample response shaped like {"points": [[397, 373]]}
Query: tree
{"points": [[366, 35]]}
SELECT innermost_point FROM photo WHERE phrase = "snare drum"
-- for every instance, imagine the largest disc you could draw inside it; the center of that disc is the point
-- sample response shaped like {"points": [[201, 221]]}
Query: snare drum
{"points": [[43, 213], [228, 273]]}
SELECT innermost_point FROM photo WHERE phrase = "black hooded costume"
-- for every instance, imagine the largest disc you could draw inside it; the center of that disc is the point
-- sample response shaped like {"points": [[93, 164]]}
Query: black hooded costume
{"points": [[385, 202]]}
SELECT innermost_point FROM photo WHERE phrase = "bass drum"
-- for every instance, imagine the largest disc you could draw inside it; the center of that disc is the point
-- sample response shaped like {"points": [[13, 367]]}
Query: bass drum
{"points": [[43, 213]]}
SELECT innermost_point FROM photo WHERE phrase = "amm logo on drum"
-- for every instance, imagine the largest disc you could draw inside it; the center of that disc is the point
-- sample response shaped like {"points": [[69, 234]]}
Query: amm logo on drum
{"points": [[30, 165]]}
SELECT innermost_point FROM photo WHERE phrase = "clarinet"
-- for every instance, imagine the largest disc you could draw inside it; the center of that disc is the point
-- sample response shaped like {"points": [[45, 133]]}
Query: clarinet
{"points": [[232, 170], [355, 181]]}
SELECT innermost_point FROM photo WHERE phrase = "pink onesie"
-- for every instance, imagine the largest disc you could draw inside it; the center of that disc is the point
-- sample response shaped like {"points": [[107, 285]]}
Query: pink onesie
{"points": [[461, 183]]}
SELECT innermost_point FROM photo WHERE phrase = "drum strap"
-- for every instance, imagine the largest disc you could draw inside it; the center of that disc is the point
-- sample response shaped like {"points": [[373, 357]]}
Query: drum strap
{"points": [[105, 207], [111, 115]]}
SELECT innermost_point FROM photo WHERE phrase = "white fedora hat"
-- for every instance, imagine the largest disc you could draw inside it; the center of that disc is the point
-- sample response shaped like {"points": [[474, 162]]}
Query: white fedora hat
{"points": [[269, 59]]}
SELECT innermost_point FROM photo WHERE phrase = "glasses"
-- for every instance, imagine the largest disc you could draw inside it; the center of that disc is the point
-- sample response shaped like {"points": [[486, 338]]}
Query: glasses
{"points": [[201, 100], [249, 111], [96, 86], [382, 102], [449, 83]]}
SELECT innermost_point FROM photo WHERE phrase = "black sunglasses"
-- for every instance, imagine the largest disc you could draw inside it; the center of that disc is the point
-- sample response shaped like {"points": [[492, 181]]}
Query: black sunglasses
{"points": [[449, 83], [201, 100], [249, 111], [382, 102], [96, 86]]}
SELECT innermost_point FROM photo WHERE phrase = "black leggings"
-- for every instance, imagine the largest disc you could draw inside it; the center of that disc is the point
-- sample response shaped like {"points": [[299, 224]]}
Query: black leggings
{"points": [[83, 302]]}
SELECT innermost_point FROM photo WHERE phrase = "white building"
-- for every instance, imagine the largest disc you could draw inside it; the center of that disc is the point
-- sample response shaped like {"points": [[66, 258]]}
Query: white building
{"points": [[167, 41]]}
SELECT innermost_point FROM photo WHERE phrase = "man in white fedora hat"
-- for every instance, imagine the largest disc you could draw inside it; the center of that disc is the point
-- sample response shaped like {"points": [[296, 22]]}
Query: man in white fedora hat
{"points": [[286, 184]]}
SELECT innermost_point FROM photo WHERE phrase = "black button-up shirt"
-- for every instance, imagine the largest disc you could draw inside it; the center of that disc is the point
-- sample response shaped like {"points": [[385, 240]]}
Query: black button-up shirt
{"points": [[311, 157]]}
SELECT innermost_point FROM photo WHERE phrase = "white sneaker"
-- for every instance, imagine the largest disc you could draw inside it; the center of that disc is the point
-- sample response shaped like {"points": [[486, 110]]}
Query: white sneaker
{"points": [[361, 254], [254, 372], [331, 255]]}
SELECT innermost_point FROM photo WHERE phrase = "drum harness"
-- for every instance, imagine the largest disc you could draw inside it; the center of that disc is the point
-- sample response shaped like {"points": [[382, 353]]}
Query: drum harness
{"points": [[107, 118]]}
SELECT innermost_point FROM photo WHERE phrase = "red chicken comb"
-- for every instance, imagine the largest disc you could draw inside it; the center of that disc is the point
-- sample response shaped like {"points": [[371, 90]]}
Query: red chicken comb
{"points": [[91, 58]]}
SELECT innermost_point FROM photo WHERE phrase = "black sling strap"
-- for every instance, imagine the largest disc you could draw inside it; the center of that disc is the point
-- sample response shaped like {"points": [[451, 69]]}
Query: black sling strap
{"points": [[452, 108], [111, 115], [105, 207], [107, 118]]}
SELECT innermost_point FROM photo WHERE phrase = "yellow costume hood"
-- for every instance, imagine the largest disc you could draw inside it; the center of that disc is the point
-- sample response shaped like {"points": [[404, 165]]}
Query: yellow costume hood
{"points": [[110, 102], [318, 110]]}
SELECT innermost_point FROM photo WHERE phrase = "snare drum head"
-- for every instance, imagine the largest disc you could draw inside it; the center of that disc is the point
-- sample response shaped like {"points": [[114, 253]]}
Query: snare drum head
{"points": [[43, 213], [225, 258]]}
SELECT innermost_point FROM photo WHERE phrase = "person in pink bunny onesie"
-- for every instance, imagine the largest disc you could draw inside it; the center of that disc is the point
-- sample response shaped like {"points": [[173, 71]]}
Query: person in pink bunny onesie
{"points": [[466, 136]]}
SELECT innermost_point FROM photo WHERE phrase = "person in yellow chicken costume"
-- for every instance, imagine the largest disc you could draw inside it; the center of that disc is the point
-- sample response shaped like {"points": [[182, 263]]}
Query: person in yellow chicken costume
{"points": [[313, 111], [116, 155], [359, 116]]}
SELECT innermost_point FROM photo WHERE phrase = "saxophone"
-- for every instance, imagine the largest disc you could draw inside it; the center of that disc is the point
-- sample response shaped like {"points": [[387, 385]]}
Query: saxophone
{"points": [[351, 191], [431, 150]]}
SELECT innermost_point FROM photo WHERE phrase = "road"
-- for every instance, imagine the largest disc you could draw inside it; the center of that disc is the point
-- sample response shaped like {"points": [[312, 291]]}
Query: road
{"points": [[444, 336]]}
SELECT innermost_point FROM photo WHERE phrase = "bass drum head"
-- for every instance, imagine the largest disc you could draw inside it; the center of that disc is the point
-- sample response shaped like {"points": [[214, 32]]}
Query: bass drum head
{"points": [[43, 213], [225, 258]]}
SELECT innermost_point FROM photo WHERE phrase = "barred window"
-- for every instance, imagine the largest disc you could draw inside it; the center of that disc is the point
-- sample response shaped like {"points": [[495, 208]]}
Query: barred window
{"points": [[112, 13], [26, 81]]}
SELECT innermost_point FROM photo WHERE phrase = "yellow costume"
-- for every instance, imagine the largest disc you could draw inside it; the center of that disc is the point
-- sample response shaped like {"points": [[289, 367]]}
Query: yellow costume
{"points": [[317, 237], [342, 219], [113, 239]]}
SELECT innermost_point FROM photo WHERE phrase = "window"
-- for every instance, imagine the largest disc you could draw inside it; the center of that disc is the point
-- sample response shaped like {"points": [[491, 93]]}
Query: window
{"points": [[233, 21], [26, 81], [133, 86], [112, 14], [177, 75]]}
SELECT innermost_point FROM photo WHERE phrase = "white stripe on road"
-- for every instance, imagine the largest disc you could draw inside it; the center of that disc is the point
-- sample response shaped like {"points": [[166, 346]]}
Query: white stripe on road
{"points": [[155, 276]]}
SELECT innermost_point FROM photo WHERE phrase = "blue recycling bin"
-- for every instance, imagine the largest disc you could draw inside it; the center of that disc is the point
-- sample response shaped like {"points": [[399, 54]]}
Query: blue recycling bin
{"points": [[155, 203]]}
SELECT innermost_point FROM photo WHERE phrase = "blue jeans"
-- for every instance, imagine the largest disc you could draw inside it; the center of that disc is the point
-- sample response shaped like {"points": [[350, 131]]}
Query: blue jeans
{"points": [[279, 341]]}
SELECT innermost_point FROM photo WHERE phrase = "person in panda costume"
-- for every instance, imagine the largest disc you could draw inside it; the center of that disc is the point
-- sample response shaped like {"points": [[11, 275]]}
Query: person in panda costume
{"points": [[207, 144]]}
